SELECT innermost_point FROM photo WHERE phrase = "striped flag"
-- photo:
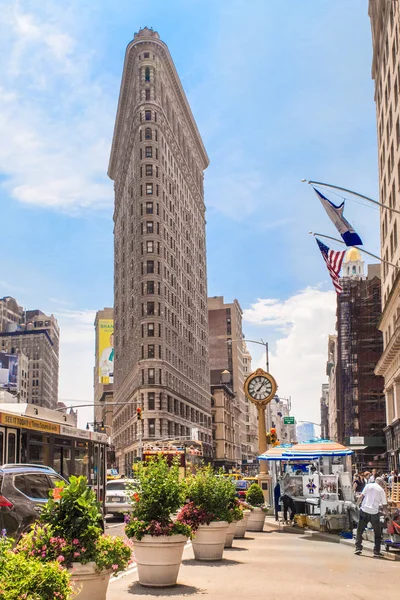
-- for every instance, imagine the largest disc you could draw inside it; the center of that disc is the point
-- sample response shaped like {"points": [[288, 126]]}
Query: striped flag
{"points": [[335, 213], [333, 261]]}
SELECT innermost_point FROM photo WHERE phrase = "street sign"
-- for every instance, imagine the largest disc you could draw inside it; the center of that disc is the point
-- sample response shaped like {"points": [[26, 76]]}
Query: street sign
{"points": [[288, 420]]}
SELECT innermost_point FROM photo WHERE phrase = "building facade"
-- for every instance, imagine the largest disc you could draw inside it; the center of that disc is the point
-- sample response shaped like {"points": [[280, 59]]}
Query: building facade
{"points": [[360, 396], [324, 409], [36, 336], [225, 421], [160, 280], [279, 408], [385, 26], [331, 366], [228, 352]]}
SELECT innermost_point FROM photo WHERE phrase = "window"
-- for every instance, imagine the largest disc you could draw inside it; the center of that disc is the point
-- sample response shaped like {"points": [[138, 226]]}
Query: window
{"points": [[150, 329], [148, 133], [150, 287], [34, 485], [150, 266], [152, 427], [151, 400], [150, 308], [150, 376], [149, 246], [149, 226], [146, 55], [147, 74], [149, 208], [149, 170], [148, 152], [147, 94], [149, 189], [147, 116], [150, 351]]}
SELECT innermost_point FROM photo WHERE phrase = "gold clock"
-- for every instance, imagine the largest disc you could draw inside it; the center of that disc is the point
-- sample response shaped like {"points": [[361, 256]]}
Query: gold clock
{"points": [[260, 387]]}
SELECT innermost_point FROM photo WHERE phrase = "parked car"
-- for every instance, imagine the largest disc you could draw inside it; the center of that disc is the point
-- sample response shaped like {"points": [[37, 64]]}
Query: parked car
{"points": [[24, 489], [117, 496], [241, 488]]}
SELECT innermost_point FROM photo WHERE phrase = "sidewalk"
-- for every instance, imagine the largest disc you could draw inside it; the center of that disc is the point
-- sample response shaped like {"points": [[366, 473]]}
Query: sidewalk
{"points": [[273, 565]]}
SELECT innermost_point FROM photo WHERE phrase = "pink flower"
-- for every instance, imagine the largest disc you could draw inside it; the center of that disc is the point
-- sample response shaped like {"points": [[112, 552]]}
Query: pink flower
{"points": [[77, 554], [75, 542], [83, 549], [60, 558], [114, 567]]}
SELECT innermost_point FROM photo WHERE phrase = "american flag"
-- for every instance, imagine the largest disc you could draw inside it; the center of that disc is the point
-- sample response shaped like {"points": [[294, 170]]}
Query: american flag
{"points": [[333, 261]]}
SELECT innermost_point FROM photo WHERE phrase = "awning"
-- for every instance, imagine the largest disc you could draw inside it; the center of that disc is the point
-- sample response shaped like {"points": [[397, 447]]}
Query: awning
{"points": [[357, 447], [306, 451]]}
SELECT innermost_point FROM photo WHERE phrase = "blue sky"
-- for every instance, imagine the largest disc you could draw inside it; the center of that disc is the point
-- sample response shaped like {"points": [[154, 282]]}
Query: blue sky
{"points": [[280, 91]]}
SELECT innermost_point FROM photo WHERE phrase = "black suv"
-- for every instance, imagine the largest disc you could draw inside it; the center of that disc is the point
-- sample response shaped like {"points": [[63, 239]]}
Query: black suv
{"points": [[23, 491]]}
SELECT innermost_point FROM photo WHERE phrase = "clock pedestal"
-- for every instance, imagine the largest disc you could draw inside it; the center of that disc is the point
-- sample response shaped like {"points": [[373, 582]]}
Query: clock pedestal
{"points": [[264, 478]]}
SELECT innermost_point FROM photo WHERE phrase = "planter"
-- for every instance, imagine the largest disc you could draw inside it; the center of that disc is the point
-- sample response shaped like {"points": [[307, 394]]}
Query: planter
{"points": [[242, 525], [158, 559], [209, 541], [229, 534], [88, 583], [256, 520]]}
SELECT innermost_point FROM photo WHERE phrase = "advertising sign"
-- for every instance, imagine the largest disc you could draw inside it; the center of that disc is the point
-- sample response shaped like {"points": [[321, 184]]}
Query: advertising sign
{"points": [[28, 423], [8, 371], [105, 336]]}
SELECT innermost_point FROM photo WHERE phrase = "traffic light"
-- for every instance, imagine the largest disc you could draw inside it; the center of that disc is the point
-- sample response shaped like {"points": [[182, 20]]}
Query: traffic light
{"points": [[273, 436], [268, 438], [139, 413]]}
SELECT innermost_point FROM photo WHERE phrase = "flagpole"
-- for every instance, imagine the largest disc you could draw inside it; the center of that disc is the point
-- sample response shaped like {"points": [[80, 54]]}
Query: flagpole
{"points": [[342, 189], [328, 237]]}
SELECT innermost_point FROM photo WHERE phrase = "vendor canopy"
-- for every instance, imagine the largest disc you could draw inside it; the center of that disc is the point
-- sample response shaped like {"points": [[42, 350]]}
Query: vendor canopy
{"points": [[306, 451]]}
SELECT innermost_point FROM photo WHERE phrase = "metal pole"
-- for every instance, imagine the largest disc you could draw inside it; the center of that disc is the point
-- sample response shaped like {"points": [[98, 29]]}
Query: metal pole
{"points": [[336, 187], [328, 237], [262, 438]]}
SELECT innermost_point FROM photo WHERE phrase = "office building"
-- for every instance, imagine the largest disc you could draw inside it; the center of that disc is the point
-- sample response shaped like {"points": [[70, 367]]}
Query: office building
{"points": [[228, 352], [279, 408], [359, 392], [36, 336], [385, 26], [305, 432], [225, 422], [324, 409], [160, 279]]}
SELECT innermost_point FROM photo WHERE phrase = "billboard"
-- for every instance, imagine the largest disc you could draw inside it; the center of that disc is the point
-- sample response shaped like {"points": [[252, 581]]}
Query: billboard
{"points": [[8, 371], [105, 337]]}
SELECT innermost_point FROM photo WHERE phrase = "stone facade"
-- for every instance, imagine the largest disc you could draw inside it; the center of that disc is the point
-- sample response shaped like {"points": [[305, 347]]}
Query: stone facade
{"points": [[160, 300], [385, 26], [37, 336], [225, 420], [331, 366]]}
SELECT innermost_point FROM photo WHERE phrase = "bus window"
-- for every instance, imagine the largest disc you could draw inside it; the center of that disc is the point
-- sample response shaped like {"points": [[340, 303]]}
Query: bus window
{"points": [[1, 446], [11, 447], [81, 459]]}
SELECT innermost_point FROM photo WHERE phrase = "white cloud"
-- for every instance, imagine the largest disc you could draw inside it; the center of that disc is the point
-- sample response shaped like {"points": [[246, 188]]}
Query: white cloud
{"points": [[77, 341], [55, 125], [300, 326]]}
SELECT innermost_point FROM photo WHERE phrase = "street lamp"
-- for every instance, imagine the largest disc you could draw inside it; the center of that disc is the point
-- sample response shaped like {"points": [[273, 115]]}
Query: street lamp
{"points": [[261, 343]]}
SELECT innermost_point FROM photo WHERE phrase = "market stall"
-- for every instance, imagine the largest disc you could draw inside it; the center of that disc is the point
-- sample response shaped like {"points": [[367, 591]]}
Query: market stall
{"points": [[320, 478]]}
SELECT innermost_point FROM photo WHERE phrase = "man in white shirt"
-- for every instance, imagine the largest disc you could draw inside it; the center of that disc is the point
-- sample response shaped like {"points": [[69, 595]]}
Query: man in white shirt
{"points": [[371, 499]]}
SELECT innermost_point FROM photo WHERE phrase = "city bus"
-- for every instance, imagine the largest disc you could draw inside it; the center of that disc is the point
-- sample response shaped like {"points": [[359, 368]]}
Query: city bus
{"points": [[32, 434]]}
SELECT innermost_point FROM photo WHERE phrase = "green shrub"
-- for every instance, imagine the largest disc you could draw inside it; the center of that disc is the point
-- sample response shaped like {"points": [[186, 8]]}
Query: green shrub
{"points": [[213, 494], [254, 495], [160, 495], [26, 578]]}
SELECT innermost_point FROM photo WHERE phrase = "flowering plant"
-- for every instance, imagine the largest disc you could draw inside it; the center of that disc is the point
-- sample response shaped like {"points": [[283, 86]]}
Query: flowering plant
{"points": [[237, 511], [212, 497], [70, 530], [43, 544], [26, 578], [161, 494]]}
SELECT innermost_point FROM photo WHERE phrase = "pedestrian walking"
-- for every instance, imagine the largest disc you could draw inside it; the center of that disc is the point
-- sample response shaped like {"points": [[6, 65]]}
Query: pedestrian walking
{"points": [[287, 498], [373, 476], [372, 498], [358, 484]]}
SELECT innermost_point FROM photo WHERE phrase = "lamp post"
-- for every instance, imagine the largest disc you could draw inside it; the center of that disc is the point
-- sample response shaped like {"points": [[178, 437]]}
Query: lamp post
{"points": [[261, 343]]}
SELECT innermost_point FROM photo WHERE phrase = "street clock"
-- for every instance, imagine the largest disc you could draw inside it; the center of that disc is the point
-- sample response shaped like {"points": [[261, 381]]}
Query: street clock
{"points": [[260, 387]]}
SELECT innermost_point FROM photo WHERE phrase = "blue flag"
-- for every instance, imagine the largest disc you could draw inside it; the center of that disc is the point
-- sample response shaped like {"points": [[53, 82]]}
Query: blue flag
{"points": [[335, 213]]}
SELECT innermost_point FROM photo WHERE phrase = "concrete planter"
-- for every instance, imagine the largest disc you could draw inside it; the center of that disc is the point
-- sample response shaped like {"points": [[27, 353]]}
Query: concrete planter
{"points": [[256, 520], [229, 534], [158, 559], [241, 526], [88, 583], [209, 541]]}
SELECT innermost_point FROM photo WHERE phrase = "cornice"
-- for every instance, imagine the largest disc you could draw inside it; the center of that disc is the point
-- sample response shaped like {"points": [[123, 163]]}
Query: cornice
{"points": [[123, 101]]}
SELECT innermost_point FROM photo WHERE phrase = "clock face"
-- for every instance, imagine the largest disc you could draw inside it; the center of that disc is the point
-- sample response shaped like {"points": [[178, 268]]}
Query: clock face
{"points": [[260, 387]]}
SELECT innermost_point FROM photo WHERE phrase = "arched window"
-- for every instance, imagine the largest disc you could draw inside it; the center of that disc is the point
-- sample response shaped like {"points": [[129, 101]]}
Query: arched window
{"points": [[147, 133], [147, 74], [354, 269]]}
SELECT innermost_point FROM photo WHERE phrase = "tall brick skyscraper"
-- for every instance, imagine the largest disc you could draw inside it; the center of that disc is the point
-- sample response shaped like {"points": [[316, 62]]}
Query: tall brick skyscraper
{"points": [[160, 303]]}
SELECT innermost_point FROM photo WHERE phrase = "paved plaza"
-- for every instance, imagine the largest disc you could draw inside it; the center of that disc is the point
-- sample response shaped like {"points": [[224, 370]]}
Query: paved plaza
{"points": [[274, 565]]}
